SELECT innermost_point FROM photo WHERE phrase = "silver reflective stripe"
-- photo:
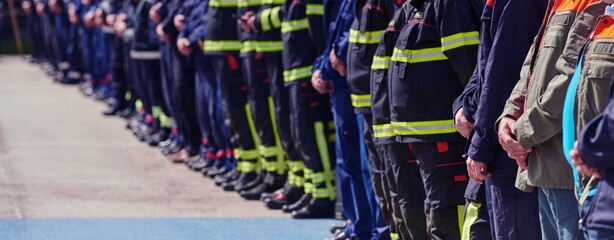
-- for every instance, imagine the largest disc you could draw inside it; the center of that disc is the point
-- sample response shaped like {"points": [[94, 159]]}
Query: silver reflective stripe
{"points": [[129, 33], [74, 75], [108, 29], [145, 55], [63, 65]]}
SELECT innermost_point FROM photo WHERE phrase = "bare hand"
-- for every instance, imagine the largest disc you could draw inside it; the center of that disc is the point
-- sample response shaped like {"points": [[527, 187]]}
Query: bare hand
{"points": [[179, 21], [183, 45], [72, 14], [88, 20], [581, 166], [509, 143], [477, 170], [463, 126], [99, 19], [337, 63], [40, 9], [110, 19], [161, 34], [153, 13], [120, 28], [26, 6], [320, 85]]}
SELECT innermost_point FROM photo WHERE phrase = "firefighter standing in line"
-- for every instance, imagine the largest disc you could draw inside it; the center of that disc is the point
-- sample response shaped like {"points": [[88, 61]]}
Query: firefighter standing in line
{"points": [[432, 61], [360, 203], [402, 172]]}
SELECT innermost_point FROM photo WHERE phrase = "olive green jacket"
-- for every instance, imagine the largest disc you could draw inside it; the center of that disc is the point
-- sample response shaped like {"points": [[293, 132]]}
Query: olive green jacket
{"points": [[537, 100]]}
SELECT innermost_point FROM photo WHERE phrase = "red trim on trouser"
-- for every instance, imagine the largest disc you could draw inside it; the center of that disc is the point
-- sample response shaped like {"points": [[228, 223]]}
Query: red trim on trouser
{"points": [[412, 161], [210, 155], [204, 141], [442, 147], [449, 164], [149, 119], [174, 131], [490, 3], [460, 178], [313, 104], [410, 147], [232, 62], [230, 152]]}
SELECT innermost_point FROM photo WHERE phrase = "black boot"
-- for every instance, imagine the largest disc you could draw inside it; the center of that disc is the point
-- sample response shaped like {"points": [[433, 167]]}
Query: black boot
{"points": [[303, 201], [289, 196], [317, 208]]}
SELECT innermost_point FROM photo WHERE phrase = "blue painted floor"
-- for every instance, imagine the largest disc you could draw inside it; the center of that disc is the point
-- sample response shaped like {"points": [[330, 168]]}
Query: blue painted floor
{"points": [[163, 229]]}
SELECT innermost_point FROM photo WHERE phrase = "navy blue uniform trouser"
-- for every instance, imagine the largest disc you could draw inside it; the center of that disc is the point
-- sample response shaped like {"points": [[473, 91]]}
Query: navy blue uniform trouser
{"points": [[444, 174], [118, 84], [234, 100], [515, 213], [476, 225], [281, 105], [73, 52], [185, 101], [147, 83], [311, 131], [377, 169], [406, 190], [359, 201], [166, 76], [258, 93], [210, 116]]}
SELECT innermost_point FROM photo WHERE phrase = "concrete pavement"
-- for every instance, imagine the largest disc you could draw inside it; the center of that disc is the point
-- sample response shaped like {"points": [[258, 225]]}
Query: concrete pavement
{"points": [[60, 158]]}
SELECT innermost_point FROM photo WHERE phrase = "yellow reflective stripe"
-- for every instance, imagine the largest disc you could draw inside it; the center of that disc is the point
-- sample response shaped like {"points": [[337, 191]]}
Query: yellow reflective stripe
{"points": [[460, 218], [424, 127], [167, 122], [223, 3], [417, 56], [295, 166], [280, 163], [270, 151], [321, 193], [299, 181], [275, 2], [294, 25], [383, 130], [325, 158], [249, 154], [275, 20], [138, 104], [394, 236], [128, 96], [248, 3], [264, 19], [269, 46], [156, 111], [380, 62], [321, 177], [248, 46], [224, 45], [471, 215], [245, 166], [309, 187], [369, 37], [459, 40], [297, 73], [252, 129], [315, 9], [361, 101]]}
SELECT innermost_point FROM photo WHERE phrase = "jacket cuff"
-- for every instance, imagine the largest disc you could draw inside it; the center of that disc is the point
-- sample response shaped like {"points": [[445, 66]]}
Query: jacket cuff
{"points": [[481, 149]]}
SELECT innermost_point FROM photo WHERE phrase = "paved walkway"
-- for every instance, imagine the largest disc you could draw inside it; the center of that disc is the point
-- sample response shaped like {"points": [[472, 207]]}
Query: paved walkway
{"points": [[60, 158]]}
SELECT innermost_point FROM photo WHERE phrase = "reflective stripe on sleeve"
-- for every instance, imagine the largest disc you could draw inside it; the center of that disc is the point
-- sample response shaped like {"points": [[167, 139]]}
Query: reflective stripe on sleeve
{"points": [[275, 20], [383, 130], [223, 3], [424, 127], [361, 101], [315, 9], [380, 62], [418, 56], [459, 40], [219, 46], [264, 19], [297, 73], [248, 3], [294, 25], [369, 37]]}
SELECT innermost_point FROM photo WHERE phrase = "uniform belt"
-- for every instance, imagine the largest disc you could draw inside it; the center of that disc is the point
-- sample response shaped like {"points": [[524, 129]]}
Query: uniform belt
{"points": [[129, 33]]}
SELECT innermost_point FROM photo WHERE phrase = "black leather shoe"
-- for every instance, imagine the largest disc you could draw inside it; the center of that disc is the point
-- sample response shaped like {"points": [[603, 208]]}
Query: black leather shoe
{"points": [[289, 196], [342, 236], [199, 166], [254, 193], [217, 171], [157, 137], [175, 147], [127, 113], [317, 208], [239, 178], [303, 201], [222, 178], [335, 228], [193, 160], [247, 184]]}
